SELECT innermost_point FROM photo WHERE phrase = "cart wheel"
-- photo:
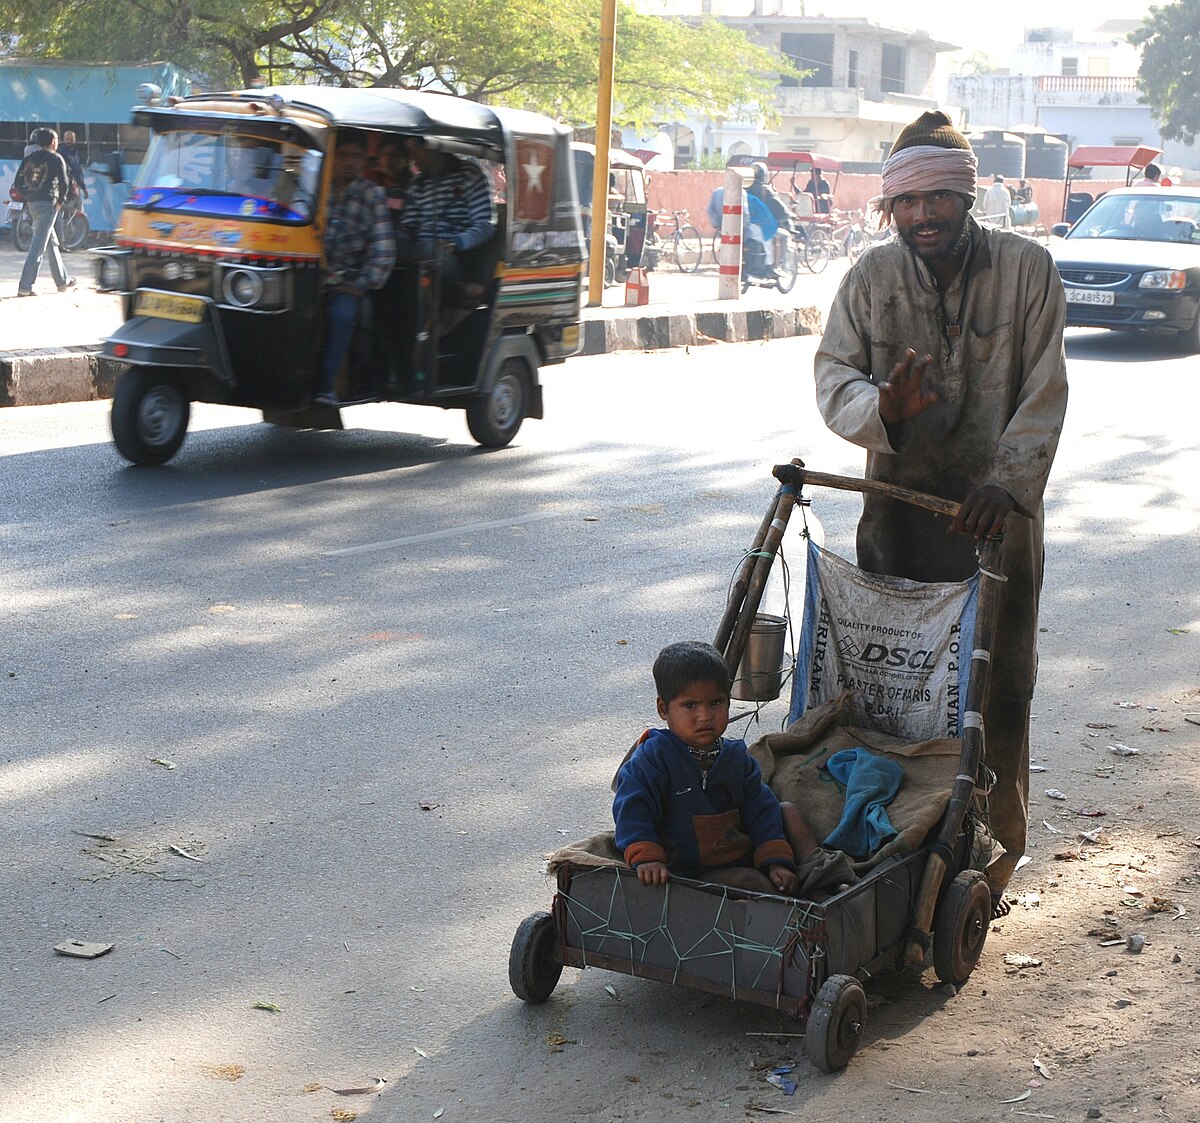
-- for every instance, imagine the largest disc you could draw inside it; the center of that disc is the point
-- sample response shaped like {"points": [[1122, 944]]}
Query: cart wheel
{"points": [[533, 965], [960, 926], [835, 1025]]}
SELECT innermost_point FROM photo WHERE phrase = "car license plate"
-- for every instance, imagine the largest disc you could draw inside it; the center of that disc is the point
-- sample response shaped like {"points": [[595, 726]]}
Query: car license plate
{"points": [[1088, 296], [166, 306]]}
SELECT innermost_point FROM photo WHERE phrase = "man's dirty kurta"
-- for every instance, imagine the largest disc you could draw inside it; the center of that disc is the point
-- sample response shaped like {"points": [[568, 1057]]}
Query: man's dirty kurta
{"points": [[1000, 375]]}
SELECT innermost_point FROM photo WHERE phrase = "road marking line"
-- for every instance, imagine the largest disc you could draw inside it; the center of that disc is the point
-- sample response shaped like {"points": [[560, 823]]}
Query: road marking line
{"points": [[434, 535]]}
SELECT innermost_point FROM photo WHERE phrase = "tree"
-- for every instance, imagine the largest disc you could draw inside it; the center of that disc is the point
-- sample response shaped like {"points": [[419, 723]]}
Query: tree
{"points": [[1169, 75], [535, 54]]}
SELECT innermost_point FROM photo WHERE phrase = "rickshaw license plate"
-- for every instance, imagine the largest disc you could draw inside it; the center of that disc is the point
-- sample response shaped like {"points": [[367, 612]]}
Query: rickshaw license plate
{"points": [[165, 306], [1088, 296]]}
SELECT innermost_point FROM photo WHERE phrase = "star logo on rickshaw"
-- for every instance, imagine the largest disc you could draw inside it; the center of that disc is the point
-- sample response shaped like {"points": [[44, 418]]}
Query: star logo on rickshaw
{"points": [[533, 173]]}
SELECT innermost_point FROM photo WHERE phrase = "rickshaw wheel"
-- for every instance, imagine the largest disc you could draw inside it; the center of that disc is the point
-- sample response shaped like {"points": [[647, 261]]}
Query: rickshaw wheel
{"points": [[836, 1023], [495, 417], [533, 963], [960, 927], [149, 416]]}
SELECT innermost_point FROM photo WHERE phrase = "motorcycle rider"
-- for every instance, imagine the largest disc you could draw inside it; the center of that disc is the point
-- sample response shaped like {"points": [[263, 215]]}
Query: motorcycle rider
{"points": [[762, 190], [761, 225]]}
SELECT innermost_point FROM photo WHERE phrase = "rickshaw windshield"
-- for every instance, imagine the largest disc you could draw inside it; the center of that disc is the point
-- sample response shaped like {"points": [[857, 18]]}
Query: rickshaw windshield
{"points": [[228, 176]]}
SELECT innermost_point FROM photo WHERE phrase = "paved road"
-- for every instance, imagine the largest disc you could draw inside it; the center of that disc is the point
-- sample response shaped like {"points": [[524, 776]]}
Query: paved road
{"points": [[369, 679]]}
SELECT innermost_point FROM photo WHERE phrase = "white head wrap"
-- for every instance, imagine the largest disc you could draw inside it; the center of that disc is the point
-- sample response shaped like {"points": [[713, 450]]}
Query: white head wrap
{"points": [[926, 167]]}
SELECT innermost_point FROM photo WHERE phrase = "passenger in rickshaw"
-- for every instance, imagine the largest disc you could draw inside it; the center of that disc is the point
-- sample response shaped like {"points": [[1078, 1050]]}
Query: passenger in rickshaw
{"points": [[395, 176], [447, 210], [692, 803], [818, 187], [360, 251]]}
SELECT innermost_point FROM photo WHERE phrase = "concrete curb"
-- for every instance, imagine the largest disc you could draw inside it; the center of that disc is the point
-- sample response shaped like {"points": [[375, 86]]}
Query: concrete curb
{"points": [[683, 329], [50, 376]]}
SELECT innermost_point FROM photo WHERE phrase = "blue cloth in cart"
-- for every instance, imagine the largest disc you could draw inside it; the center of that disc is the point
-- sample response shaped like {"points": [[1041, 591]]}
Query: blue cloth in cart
{"points": [[871, 783]]}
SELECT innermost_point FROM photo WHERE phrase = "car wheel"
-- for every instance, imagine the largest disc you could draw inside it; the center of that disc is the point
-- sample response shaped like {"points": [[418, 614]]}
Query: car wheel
{"points": [[149, 416], [495, 417]]}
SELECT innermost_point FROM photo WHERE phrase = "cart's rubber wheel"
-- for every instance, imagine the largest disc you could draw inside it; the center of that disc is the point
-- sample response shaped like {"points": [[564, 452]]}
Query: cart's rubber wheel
{"points": [[149, 416], [836, 1023], [960, 926], [533, 963], [495, 417]]}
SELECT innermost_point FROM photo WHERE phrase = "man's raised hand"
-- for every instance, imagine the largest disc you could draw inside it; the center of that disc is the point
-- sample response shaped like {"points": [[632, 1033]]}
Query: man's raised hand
{"points": [[902, 396]]}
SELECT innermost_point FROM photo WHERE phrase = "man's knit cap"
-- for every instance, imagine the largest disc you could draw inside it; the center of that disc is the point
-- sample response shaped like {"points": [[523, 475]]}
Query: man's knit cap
{"points": [[933, 128]]}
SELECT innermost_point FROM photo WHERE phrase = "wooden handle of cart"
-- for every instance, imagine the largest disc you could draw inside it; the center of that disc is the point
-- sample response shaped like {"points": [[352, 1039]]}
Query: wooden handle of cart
{"points": [[797, 475]]}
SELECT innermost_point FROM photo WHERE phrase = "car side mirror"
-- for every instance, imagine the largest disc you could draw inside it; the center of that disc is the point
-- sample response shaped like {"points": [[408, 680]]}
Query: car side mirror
{"points": [[1060, 229]]}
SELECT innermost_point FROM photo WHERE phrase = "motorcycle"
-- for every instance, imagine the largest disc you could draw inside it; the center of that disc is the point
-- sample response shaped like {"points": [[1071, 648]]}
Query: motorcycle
{"points": [[75, 226], [782, 275]]}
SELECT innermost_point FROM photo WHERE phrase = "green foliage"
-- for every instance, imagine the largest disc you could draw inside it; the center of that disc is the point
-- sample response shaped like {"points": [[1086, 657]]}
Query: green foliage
{"points": [[536, 54], [1169, 76]]}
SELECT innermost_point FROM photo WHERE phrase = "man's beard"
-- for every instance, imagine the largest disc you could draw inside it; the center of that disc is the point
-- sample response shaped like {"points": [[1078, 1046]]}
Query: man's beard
{"points": [[947, 247]]}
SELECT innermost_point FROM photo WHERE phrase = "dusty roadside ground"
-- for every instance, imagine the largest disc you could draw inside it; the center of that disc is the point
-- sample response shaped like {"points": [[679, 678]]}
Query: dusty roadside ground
{"points": [[1081, 1007]]}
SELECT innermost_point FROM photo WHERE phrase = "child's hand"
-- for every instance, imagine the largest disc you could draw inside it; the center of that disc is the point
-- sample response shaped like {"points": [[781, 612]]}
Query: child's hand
{"points": [[784, 880], [654, 873]]}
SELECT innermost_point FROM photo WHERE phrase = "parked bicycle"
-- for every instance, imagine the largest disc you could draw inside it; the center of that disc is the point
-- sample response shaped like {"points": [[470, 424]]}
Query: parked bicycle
{"points": [[678, 238]]}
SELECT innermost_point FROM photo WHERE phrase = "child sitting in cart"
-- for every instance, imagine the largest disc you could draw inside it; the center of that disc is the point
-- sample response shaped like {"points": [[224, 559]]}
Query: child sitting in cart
{"points": [[690, 802]]}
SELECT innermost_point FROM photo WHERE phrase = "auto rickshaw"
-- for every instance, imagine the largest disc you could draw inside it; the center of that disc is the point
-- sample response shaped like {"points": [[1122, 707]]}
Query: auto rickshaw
{"points": [[219, 262], [627, 212]]}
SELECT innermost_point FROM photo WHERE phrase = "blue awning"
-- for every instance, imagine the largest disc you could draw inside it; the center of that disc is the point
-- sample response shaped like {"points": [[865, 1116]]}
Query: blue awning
{"points": [[101, 93]]}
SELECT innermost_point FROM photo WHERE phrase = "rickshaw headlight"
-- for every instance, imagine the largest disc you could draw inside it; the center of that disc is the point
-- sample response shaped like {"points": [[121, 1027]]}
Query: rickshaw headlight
{"points": [[110, 275], [242, 288]]}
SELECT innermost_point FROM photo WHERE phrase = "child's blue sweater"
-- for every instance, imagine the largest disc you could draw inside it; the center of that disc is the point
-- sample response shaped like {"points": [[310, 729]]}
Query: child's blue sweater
{"points": [[727, 818]]}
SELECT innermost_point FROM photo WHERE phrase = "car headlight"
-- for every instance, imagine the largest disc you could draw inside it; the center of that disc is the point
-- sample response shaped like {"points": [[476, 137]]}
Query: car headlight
{"points": [[242, 288], [1164, 279]]}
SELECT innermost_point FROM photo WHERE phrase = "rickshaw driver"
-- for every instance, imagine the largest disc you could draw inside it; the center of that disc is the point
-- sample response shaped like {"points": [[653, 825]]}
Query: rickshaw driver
{"points": [[978, 423], [360, 251]]}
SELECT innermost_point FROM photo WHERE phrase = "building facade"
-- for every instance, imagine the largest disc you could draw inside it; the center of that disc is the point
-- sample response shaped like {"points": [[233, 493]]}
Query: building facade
{"points": [[863, 83]]}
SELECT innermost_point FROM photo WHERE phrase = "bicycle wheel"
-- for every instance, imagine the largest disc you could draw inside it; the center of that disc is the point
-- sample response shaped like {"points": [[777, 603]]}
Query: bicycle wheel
{"points": [[787, 266], [75, 232], [689, 249], [857, 243], [716, 248], [818, 249]]}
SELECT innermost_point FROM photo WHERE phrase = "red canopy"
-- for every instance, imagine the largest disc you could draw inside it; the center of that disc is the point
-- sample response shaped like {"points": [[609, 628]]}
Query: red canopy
{"points": [[788, 161], [1113, 156]]}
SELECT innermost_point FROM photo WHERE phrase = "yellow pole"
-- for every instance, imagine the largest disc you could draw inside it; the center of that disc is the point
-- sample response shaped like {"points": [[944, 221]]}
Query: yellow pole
{"points": [[604, 100]]}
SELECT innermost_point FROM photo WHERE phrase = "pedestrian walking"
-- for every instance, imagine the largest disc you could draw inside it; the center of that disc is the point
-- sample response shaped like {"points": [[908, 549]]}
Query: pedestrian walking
{"points": [[44, 184]]}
